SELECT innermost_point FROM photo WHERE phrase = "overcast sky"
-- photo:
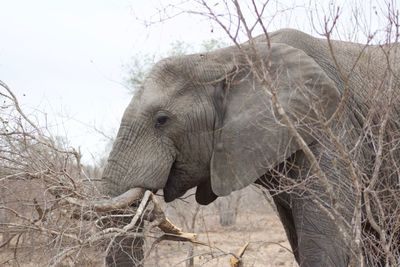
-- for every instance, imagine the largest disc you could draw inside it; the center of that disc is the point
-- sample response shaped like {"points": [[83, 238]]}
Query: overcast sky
{"points": [[65, 59]]}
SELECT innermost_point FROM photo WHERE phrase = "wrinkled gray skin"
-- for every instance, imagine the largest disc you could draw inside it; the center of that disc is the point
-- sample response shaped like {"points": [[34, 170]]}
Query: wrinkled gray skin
{"points": [[206, 121]]}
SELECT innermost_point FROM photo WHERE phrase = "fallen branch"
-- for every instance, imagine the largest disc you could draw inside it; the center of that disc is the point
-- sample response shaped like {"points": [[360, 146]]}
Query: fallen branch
{"points": [[172, 232], [119, 202], [236, 260]]}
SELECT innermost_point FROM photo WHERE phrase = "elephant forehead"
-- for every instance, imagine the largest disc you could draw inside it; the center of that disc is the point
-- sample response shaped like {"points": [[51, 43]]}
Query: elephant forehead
{"points": [[152, 95], [158, 93]]}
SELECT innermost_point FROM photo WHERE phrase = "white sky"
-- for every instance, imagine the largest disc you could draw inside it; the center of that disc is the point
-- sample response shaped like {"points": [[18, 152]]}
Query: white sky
{"points": [[64, 59]]}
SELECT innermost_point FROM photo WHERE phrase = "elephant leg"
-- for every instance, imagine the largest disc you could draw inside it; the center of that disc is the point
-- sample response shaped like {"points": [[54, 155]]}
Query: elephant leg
{"points": [[319, 242], [282, 203]]}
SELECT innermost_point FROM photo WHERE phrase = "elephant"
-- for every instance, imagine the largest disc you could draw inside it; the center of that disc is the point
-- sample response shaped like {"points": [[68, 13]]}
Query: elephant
{"points": [[277, 110]]}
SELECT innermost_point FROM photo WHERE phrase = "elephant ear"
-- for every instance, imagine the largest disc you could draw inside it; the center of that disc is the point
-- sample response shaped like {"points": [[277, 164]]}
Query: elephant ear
{"points": [[251, 138]]}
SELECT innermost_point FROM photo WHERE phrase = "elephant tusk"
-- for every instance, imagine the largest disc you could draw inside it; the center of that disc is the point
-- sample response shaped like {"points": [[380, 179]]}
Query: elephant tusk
{"points": [[119, 202]]}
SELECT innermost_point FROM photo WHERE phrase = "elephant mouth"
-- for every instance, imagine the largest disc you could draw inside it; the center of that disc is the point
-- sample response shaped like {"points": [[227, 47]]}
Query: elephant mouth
{"points": [[179, 182], [171, 193]]}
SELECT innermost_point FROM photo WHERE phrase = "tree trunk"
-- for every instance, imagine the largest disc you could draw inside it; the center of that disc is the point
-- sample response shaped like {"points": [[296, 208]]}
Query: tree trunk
{"points": [[190, 254], [189, 258], [3, 220], [228, 209]]}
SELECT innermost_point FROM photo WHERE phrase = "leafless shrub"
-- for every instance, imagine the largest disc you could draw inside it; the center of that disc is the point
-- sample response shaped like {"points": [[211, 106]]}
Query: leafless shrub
{"points": [[36, 172], [49, 212]]}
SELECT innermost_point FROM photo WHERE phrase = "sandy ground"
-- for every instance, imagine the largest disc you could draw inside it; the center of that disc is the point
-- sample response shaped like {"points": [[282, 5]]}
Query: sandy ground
{"points": [[268, 245]]}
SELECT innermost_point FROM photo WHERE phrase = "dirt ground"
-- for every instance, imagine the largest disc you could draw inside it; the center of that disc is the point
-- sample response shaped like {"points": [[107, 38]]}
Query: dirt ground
{"points": [[268, 245]]}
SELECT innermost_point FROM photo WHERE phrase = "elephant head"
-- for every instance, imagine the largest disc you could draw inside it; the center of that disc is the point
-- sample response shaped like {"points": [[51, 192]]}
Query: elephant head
{"points": [[207, 120]]}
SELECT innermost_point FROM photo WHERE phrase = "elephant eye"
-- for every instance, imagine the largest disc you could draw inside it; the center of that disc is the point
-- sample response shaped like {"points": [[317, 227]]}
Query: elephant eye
{"points": [[161, 119]]}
